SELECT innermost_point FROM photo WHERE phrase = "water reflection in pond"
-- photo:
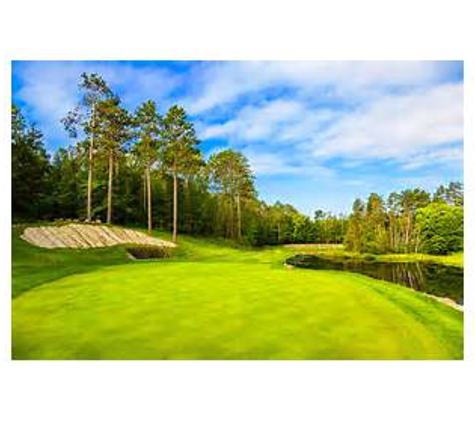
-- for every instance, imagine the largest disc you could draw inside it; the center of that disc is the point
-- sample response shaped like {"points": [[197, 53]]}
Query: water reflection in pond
{"points": [[435, 279]]}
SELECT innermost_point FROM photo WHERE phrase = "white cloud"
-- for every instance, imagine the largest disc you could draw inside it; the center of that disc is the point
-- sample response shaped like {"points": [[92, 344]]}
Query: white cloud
{"points": [[256, 121], [222, 83], [402, 128], [279, 162], [413, 130], [49, 94], [273, 122], [50, 89], [448, 156]]}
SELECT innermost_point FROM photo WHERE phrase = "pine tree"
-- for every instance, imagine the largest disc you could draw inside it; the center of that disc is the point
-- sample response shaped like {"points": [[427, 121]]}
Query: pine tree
{"points": [[180, 153], [148, 129], [354, 235], [84, 117], [113, 123], [231, 176]]}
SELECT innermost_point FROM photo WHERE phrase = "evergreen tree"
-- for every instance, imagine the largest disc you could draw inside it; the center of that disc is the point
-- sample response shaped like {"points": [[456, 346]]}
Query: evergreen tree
{"points": [[84, 117], [180, 152], [113, 123], [148, 124], [452, 194], [30, 170], [355, 233], [375, 225], [232, 178], [66, 183]]}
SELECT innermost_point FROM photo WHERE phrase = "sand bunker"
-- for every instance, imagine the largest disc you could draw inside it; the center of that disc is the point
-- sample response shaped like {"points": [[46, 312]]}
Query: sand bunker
{"points": [[80, 236]]}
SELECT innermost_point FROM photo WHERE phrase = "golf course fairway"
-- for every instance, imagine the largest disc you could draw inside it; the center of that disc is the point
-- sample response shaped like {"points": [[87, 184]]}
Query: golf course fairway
{"points": [[216, 302]]}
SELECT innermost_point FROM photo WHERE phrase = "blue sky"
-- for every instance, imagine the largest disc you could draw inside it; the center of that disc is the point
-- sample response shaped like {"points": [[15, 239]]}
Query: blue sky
{"points": [[318, 134]]}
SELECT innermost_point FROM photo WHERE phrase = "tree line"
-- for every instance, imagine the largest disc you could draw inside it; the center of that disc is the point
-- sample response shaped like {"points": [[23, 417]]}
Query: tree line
{"points": [[142, 168], [409, 221]]}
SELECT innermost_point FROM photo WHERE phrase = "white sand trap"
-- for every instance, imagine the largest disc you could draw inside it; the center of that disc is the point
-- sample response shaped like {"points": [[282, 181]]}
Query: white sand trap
{"points": [[80, 236]]}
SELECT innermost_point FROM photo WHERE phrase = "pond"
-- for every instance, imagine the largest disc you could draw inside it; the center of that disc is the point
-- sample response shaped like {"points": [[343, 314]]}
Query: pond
{"points": [[435, 279]]}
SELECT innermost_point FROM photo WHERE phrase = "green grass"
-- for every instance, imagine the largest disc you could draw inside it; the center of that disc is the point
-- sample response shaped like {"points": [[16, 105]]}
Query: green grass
{"points": [[455, 259], [214, 301], [33, 266]]}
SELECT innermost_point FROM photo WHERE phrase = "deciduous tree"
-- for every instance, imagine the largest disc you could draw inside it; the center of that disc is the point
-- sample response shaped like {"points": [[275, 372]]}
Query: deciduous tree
{"points": [[441, 228]]}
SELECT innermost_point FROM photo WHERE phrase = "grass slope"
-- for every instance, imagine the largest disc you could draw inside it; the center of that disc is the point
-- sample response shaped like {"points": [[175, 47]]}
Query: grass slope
{"points": [[213, 301], [33, 266]]}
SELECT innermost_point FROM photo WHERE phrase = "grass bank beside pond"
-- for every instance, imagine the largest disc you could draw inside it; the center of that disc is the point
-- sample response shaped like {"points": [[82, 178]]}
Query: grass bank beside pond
{"points": [[455, 259], [215, 301]]}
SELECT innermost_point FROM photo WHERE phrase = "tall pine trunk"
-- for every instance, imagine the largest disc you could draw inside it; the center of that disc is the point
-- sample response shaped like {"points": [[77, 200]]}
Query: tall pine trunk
{"points": [[175, 206], [149, 198], [89, 176], [89, 181], [144, 202], [109, 188]]}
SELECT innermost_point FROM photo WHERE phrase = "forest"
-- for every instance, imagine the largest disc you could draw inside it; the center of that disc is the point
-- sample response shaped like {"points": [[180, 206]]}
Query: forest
{"points": [[141, 168]]}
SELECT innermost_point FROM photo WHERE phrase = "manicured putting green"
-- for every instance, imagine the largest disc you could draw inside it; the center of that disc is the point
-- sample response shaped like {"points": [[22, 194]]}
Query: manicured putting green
{"points": [[225, 310]]}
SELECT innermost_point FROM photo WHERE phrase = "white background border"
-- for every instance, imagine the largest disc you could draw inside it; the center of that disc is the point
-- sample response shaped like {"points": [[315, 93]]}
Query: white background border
{"points": [[237, 391]]}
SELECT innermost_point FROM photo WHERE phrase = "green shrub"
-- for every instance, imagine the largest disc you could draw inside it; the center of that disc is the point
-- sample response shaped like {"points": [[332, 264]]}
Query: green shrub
{"points": [[441, 228], [149, 251]]}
